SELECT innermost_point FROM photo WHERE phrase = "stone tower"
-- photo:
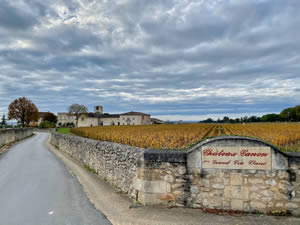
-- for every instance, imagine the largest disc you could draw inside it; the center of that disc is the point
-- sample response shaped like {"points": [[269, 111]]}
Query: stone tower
{"points": [[98, 109]]}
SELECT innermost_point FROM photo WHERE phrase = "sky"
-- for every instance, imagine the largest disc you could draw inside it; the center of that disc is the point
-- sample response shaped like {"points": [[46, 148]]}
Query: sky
{"points": [[173, 59]]}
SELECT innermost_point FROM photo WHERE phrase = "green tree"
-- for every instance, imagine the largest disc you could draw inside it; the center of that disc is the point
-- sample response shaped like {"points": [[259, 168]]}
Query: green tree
{"points": [[288, 114], [3, 121], [270, 117]]}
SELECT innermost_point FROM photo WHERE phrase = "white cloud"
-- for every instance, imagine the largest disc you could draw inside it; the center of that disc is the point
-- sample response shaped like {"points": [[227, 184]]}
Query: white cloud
{"points": [[186, 56]]}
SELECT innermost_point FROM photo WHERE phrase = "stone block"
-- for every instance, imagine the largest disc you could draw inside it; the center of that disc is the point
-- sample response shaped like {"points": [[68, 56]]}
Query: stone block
{"points": [[257, 205], [283, 188], [159, 187], [271, 182], [271, 174], [169, 178], [226, 204], [280, 197], [255, 196], [194, 159], [150, 199], [279, 205], [291, 205], [236, 192], [267, 193], [237, 204], [180, 181], [204, 183], [236, 179], [167, 197], [137, 184], [168, 187], [181, 170], [218, 186], [283, 174], [178, 192], [218, 180], [266, 199], [271, 204], [194, 189], [175, 186], [203, 195], [255, 180]]}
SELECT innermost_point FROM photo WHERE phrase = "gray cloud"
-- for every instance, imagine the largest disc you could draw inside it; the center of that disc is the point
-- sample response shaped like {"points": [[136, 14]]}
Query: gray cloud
{"points": [[163, 57]]}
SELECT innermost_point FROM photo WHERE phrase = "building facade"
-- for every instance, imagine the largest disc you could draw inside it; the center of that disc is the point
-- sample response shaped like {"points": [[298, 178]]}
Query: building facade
{"points": [[98, 118], [65, 119]]}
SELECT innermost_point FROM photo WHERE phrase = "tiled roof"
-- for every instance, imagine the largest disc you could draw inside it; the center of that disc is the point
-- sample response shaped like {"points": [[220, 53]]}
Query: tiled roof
{"points": [[155, 120], [135, 114], [105, 115]]}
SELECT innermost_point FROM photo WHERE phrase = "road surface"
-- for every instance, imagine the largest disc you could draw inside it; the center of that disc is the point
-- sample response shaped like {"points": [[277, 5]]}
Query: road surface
{"points": [[37, 189]]}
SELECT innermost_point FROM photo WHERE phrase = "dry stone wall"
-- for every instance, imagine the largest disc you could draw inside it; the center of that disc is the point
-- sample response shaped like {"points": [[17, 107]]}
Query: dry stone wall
{"points": [[188, 179], [8, 136], [115, 163]]}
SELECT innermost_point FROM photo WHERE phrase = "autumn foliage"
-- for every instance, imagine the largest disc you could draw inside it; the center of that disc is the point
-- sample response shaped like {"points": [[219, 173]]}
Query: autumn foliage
{"points": [[286, 136], [23, 110]]}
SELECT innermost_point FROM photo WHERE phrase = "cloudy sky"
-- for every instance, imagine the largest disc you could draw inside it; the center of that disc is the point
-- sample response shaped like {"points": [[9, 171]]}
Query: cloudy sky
{"points": [[174, 59]]}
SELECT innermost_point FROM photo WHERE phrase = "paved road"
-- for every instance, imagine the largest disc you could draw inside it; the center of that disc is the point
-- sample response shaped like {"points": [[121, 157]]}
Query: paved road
{"points": [[36, 189]]}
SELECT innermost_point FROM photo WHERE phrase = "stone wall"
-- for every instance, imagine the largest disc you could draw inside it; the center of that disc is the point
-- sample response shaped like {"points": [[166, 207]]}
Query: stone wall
{"points": [[162, 179], [115, 163], [177, 178], [8, 136], [274, 191]]}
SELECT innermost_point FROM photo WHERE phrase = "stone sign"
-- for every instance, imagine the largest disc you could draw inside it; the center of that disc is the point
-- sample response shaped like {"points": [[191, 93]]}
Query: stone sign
{"points": [[258, 158]]}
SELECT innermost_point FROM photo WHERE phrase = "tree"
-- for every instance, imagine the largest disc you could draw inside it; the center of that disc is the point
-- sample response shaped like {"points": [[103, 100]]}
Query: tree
{"points": [[77, 110], [209, 120], [46, 124], [273, 117], [50, 117], [288, 114], [226, 119], [3, 121], [23, 110]]}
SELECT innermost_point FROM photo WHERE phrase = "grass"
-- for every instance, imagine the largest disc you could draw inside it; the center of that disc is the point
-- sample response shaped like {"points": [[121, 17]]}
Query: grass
{"points": [[90, 169], [65, 131]]}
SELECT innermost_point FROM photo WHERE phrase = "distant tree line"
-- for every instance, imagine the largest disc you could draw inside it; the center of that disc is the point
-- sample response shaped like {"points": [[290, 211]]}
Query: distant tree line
{"points": [[287, 115]]}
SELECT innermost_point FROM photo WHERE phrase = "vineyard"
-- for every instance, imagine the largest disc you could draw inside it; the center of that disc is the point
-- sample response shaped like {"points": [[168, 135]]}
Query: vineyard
{"points": [[285, 136]]}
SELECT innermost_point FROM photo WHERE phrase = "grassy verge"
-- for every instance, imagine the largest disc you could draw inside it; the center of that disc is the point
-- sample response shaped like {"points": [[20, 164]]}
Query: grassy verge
{"points": [[65, 131], [90, 169]]}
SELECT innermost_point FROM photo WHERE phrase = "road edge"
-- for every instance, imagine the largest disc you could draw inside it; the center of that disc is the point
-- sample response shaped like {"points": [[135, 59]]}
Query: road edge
{"points": [[92, 186], [5, 148], [116, 206]]}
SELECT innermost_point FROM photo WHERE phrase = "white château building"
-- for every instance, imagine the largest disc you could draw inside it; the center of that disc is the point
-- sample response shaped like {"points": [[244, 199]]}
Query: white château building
{"points": [[98, 118]]}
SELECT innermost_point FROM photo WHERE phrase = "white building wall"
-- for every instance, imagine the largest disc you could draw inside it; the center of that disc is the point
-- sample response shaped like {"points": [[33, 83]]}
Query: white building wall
{"points": [[85, 121], [64, 118]]}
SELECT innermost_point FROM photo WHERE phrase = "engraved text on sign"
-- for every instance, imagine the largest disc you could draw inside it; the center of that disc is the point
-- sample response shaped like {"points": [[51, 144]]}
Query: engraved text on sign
{"points": [[258, 158]]}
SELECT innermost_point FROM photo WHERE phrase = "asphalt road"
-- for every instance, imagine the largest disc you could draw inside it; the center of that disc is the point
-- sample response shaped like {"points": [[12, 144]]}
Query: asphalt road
{"points": [[37, 189]]}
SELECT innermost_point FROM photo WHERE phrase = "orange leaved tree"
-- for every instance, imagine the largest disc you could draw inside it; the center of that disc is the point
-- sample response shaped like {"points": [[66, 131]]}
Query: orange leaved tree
{"points": [[23, 110]]}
